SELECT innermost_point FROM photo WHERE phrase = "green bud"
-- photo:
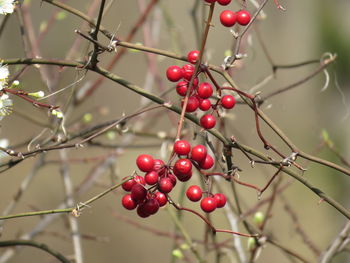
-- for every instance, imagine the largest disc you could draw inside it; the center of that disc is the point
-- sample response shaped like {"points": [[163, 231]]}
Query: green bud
{"points": [[57, 113], [251, 243], [228, 53], [110, 135], [43, 26], [87, 117], [259, 218], [177, 253], [61, 15], [184, 246], [38, 94]]}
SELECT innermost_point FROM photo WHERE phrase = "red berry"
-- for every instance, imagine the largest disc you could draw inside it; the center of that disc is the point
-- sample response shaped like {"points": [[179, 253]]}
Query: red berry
{"points": [[145, 162], [208, 121], [151, 177], [182, 167], [228, 18], [182, 147], [204, 105], [151, 206], [165, 185], [198, 153], [208, 204], [243, 17], [205, 90], [139, 179], [207, 163], [128, 184], [224, 2], [220, 200], [185, 177], [161, 198], [172, 179], [181, 88], [195, 82], [128, 202], [174, 73], [228, 101], [192, 104], [158, 164], [187, 71], [141, 211], [192, 56], [138, 192], [194, 193]]}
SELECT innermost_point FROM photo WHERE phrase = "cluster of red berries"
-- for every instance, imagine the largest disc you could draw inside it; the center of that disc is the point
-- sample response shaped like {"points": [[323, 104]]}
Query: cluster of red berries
{"points": [[161, 178], [200, 93], [209, 203], [228, 18]]}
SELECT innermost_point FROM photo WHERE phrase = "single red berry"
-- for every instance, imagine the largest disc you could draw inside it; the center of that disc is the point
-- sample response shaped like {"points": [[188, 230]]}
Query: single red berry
{"points": [[138, 192], [128, 202], [220, 200], [194, 193], [141, 211], [182, 167], [192, 56], [207, 163], [174, 73], [151, 177], [195, 82], [172, 179], [228, 101], [207, 121], [224, 2], [139, 179], [158, 164], [165, 185], [243, 17], [187, 71], [145, 162], [161, 198], [185, 177], [198, 153], [208, 204], [192, 104], [182, 147], [181, 88], [228, 18], [151, 206], [128, 184], [204, 105], [205, 90]]}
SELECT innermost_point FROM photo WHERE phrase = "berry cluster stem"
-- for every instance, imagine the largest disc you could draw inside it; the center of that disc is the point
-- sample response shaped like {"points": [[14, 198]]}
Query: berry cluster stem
{"points": [[197, 68]]}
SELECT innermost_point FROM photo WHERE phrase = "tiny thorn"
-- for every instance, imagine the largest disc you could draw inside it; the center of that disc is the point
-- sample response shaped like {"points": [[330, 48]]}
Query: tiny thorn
{"points": [[252, 163], [259, 195]]}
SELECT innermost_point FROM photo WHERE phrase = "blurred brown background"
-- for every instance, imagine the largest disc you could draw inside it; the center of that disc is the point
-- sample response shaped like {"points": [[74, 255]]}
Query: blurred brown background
{"points": [[305, 31]]}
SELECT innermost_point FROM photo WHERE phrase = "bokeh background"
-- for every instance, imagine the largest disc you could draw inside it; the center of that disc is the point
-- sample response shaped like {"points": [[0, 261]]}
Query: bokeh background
{"points": [[306, 31]]}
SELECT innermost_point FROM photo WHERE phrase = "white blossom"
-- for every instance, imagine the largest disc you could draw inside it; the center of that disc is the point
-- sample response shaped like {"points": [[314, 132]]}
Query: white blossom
{"points": [[5, 105], [7, 6]]}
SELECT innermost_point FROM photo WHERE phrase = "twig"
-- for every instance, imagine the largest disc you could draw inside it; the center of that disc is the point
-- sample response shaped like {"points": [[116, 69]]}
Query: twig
{"points": [[44, 247]]}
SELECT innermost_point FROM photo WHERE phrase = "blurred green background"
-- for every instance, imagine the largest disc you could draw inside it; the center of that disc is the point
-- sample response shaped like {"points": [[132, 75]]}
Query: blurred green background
{"points": [[306, 31]]}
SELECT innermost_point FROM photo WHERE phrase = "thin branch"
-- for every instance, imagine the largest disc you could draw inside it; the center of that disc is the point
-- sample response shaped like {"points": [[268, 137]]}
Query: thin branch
{"points": [[44, 247]]}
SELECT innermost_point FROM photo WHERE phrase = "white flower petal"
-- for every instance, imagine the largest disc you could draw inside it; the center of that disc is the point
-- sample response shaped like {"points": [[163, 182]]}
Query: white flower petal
{"points": [[6, 6], [4, 71]]}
